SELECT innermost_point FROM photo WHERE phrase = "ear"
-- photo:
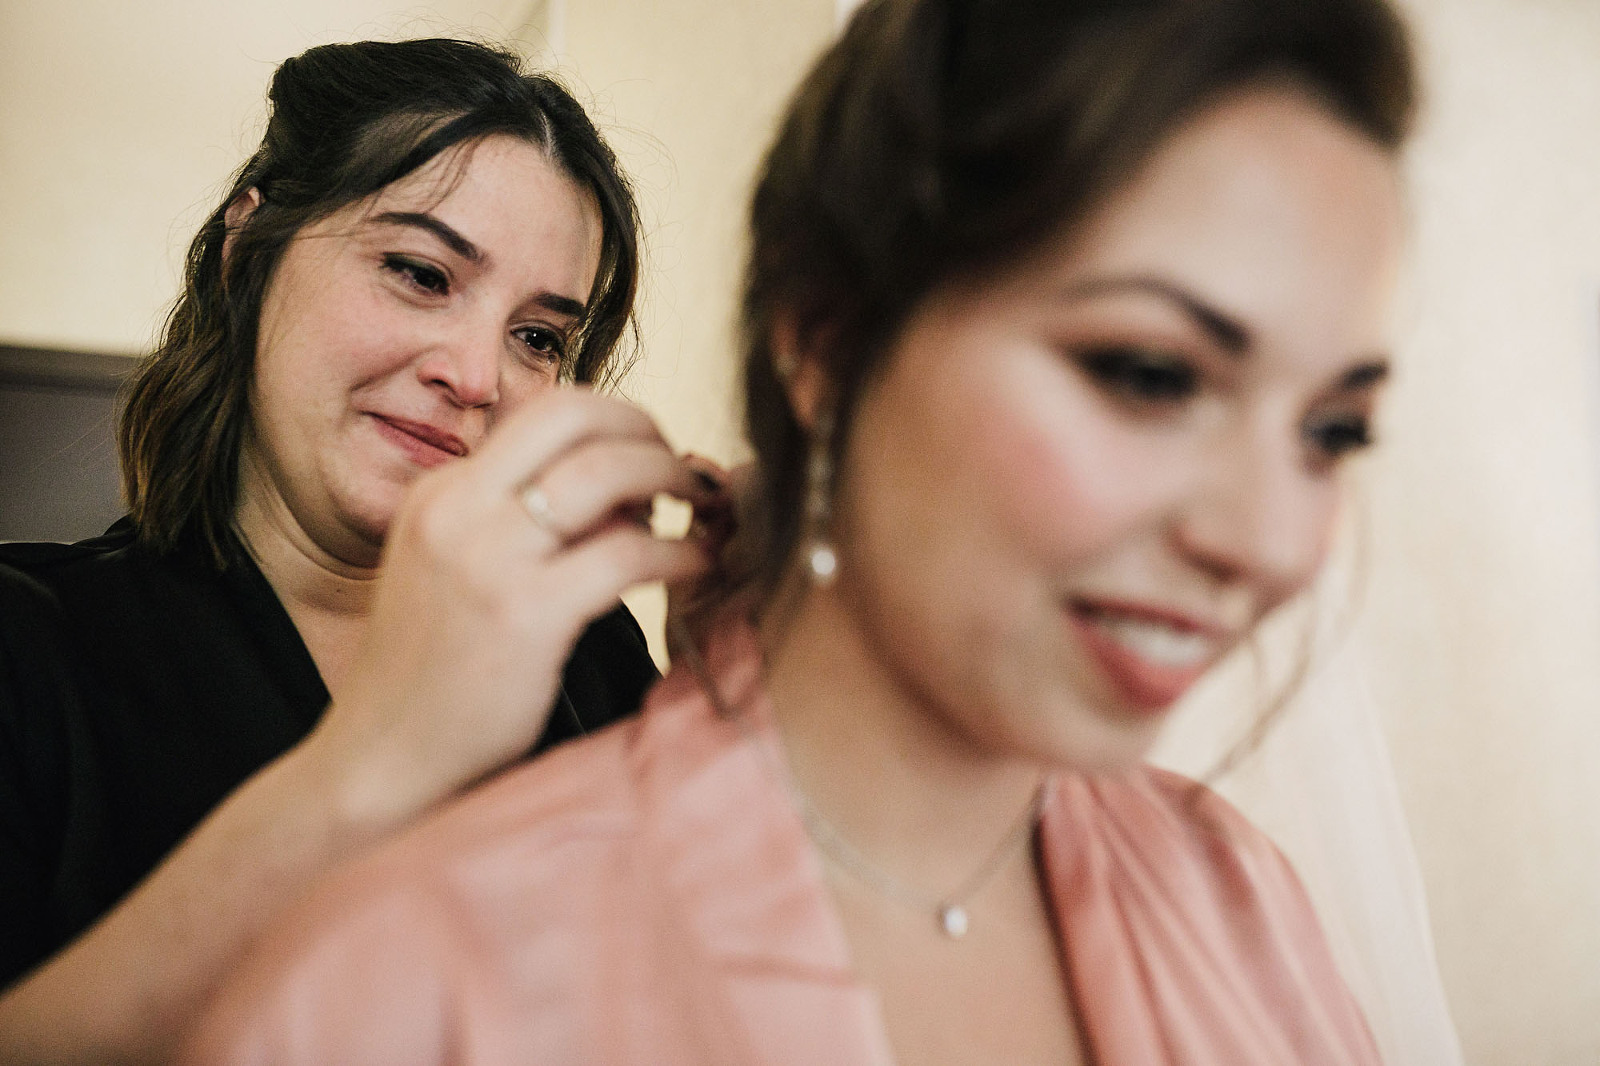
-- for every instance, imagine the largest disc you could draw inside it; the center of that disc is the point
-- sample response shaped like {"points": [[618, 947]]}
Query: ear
{"points": [[238, 213], [800, 370]]}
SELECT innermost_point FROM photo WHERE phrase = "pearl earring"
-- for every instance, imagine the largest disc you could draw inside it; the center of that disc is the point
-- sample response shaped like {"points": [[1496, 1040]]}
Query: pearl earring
{"points": [[821, 558]]}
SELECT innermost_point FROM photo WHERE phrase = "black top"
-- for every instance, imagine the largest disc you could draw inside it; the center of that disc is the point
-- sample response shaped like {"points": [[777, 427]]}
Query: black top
{"points": [[137, 691]]}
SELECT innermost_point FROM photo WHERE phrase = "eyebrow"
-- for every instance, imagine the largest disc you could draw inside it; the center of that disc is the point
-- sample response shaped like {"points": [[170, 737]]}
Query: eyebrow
{"points": [[1228, 332], [561, 305], [422, 220], [550, 301], [1365, 375]]}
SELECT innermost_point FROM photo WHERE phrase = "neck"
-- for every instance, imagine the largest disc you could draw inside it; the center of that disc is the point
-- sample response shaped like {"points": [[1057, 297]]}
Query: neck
{"points": [[326, 597], [885, 767]]}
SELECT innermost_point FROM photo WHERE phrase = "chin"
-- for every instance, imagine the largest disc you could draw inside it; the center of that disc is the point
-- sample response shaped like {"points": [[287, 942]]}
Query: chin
{"points": [[1106, 744], [382, 499], [371, 519]]}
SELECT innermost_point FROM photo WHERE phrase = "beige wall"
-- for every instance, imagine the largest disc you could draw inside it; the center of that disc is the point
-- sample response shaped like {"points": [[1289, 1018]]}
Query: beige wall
{"points": [[1486, 575], [691, 90], [119, 121]]}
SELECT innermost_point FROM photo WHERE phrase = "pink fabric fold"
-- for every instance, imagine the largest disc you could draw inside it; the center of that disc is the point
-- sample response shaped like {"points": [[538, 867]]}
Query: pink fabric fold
{"points": [[649, 895], [1187, 936]]}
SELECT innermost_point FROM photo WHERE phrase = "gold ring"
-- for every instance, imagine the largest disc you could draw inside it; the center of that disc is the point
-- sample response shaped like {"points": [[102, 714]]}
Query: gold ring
{"points": [[537, 504]]}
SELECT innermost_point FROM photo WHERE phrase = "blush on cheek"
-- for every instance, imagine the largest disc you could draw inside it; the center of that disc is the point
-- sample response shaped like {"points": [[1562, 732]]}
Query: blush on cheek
{"points": [[1068, 478]]}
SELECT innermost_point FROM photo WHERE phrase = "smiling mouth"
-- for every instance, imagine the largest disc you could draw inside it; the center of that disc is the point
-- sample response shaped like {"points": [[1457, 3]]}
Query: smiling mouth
{"points": [[425, 444], [1151, 657]]}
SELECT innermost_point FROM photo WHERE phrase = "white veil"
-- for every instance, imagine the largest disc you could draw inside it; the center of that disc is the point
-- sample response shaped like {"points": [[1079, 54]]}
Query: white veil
{"points": [[1321, 784]]}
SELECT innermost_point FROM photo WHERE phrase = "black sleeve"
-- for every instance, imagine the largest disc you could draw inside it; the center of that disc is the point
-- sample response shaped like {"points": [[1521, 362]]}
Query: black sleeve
{"points": [[605, 679], [32, 747]]}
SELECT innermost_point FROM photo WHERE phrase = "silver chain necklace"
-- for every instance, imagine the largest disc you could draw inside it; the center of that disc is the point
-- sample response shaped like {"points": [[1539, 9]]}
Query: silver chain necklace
{"points": [[949, 911]]}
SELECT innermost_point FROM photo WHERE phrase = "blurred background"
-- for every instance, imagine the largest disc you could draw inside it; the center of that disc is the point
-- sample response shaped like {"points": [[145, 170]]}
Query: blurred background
{"points": [[1476, 658]]}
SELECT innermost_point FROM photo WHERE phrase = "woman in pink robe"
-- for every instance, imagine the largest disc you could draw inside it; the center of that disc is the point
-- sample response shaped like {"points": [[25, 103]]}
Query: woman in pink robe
{"points": [[1060, 322]]}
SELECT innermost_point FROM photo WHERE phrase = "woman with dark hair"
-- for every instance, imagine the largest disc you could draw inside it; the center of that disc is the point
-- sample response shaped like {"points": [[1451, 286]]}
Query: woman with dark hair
{"points": [[1060, 320], [218, 700]]}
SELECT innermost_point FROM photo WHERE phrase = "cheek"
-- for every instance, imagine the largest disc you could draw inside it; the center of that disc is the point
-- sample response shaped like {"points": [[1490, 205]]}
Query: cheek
{"points": [[1321, 514], [326, 329], [519, 385], [284, 382], [1073, 476]]}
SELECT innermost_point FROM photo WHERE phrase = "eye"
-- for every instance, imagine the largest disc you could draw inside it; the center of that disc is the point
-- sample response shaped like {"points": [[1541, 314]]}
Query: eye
{"points": [[1141, 375], [546, 345], [418, 275], [1339, 435]]}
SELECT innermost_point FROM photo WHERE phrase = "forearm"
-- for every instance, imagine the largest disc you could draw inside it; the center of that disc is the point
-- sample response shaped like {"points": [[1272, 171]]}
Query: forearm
{"points": [[459, 656], [125, 989]]}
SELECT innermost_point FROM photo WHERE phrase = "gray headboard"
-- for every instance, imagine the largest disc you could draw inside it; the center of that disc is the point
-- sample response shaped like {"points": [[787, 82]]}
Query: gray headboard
{"points": [[58, 459]]}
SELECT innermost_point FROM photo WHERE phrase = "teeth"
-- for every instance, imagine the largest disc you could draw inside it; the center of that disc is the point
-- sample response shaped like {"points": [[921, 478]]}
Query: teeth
{"points": [[1160, 644]]}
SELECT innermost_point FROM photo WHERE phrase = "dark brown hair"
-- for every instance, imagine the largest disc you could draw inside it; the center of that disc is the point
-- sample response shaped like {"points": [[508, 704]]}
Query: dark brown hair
{"points": [[345, 120], [941, 139]]}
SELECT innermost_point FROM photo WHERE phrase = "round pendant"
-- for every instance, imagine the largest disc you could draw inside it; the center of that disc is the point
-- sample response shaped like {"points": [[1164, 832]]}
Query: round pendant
{"points": [[953, 920], [824, 563]]}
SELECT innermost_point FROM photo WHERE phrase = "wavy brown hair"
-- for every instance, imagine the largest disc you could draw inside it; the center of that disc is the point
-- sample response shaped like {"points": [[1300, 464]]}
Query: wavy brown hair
{"points": [[939, 140], [344, 121]]}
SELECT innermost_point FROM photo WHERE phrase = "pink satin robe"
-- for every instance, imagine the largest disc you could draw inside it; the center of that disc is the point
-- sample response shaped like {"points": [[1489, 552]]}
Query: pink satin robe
{"points": [[648, 895]]}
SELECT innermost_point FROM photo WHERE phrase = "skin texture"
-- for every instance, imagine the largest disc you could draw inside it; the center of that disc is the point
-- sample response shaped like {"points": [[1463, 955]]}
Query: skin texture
{"points": [[1140, 424], [405, 399], [370, 317]]}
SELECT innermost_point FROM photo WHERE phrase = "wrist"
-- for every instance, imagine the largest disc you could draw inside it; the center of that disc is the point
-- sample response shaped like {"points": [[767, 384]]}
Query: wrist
{"points": [[371, 787]]}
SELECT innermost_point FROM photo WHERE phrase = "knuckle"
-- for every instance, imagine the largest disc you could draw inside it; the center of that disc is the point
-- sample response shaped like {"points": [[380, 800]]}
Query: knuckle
{"points": [[583, 466]]}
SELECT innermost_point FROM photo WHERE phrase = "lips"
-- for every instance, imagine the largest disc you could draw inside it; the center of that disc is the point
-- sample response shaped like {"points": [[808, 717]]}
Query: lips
{"points": [[1150, 655], [425, 444]]}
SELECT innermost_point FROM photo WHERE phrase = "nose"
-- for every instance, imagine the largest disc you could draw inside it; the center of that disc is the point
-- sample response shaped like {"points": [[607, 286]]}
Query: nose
{"points": [[1263, 516], [466, 367]]}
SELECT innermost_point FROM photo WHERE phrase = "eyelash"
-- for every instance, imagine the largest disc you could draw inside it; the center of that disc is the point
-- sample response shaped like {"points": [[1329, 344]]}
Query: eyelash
{"points": [[435, 282], [556, 353], [1339, 435], [1141, 376], [1147, 379], [418, 275]]}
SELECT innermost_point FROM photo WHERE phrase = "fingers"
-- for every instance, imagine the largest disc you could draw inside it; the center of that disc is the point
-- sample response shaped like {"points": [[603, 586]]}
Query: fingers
{"points": [[709, 474], [719, 519], [598, 569], [494, 565], [573, 461], [548, 427], [557, 500], [604, 478]]}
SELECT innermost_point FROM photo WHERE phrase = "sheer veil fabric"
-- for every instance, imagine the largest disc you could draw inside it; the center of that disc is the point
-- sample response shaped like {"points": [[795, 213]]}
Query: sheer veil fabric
{"points": [[1322, 785]]}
